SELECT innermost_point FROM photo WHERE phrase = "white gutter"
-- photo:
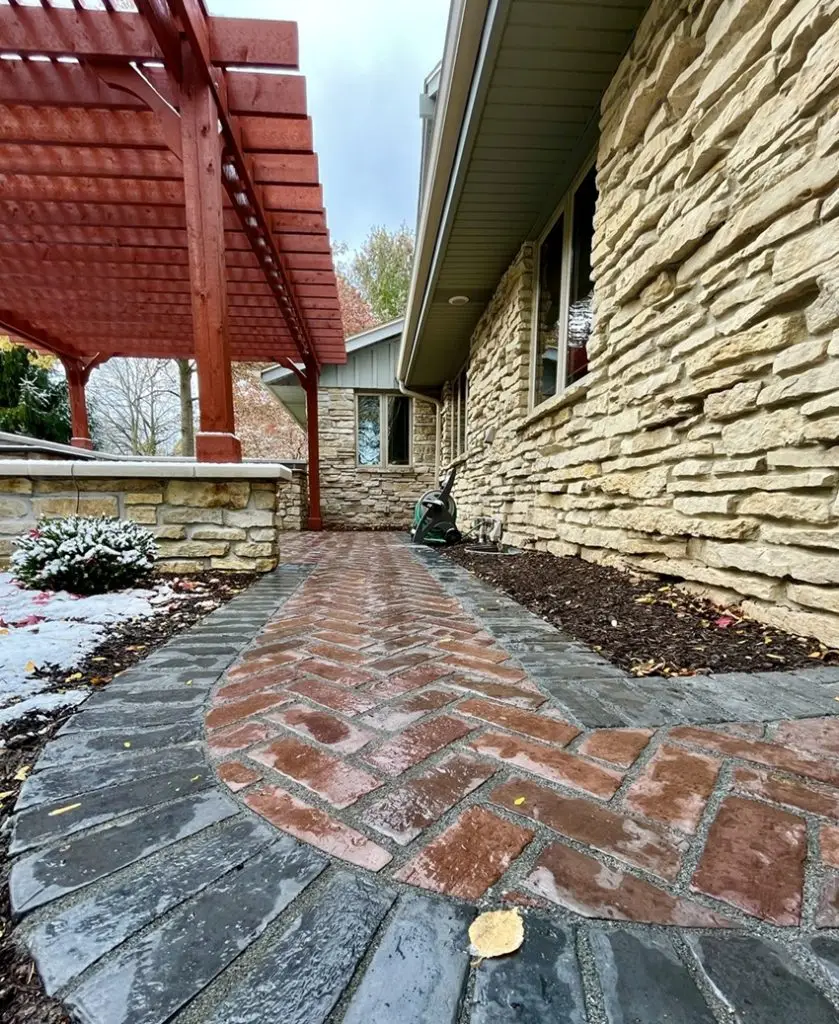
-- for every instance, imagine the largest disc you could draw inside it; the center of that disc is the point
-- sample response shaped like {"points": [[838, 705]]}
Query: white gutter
{"points": [[438, 416]]}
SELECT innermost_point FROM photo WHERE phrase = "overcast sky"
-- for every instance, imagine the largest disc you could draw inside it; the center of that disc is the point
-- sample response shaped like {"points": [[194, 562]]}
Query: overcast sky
{"points": [[364, 62]]}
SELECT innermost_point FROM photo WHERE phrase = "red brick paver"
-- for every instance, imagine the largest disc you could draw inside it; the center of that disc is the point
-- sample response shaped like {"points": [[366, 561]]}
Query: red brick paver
{"points": [[376, 720], [583, 884], [468, 857], [754, 859], [674, 787]]}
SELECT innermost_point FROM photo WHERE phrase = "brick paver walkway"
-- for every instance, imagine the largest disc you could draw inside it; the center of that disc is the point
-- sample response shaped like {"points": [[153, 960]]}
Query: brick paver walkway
{"points": [[376, 720], [417, 747]]}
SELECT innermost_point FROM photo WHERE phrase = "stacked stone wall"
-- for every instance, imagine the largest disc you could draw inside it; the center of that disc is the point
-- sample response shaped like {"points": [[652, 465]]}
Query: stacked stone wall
{"points": [[198, 524], [370, 497], [293, 503], [704, 442]]}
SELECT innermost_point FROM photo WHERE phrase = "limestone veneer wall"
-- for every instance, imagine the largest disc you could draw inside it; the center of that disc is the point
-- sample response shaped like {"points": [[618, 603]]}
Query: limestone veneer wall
{"points": [[368, 496], [293, 503], [219, 523], [703, 443]]}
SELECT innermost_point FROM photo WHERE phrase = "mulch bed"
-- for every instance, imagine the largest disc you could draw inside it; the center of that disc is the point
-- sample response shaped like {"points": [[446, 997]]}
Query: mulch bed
{"points": [[643, 624], [22, 1000]]}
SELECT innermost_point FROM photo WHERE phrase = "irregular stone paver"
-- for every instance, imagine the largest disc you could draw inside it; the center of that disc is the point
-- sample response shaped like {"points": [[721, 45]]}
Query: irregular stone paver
{"points": [[643, 979], [419, 969], [541, 983], [433, 736]]}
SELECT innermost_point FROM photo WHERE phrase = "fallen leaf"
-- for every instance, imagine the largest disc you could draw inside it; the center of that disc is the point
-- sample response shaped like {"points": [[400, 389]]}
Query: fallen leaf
{"points": [[126, 744], [495, 933], [723, 622], [11, 792], [30, 666], [645, 599], [4, 632], [73, 677], [519, 801], [188, 682], [63, 810], [21, 774], [195, 778]]}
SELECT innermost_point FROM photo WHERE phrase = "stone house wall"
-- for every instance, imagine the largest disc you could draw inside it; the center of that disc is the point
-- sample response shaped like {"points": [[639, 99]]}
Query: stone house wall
{"points": [[222, 524], [703, 442], [366, 497]]}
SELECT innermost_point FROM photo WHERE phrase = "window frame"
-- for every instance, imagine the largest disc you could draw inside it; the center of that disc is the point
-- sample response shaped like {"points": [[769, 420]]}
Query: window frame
{"points": [[565, 208], [384, 439], [459, 404]]}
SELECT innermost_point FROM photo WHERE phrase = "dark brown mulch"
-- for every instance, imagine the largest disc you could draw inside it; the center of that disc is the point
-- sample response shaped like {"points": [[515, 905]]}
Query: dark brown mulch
{"points": [[645, 625], [22, 1000]]}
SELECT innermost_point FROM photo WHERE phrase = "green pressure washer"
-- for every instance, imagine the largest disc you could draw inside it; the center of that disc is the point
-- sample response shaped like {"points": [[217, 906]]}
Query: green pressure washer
{"points": [[435, 516]]}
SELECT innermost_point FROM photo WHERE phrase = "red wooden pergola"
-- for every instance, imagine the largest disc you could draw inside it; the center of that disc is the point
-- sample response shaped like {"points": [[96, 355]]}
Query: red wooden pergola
{"points": [[159, 197]]}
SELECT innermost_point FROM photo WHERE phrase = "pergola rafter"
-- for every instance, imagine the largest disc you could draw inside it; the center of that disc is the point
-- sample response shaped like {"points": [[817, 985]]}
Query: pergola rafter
{"points": [[159, 193]]}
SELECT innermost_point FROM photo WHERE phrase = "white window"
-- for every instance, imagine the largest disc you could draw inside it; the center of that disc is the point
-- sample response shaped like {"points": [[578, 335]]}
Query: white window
{"points": [[383, 429], [457, 418], [565, 290]]}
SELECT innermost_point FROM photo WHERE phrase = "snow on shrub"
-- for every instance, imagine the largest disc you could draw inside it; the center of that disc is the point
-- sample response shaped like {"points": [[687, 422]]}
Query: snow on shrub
{"points": [[83, 554]]}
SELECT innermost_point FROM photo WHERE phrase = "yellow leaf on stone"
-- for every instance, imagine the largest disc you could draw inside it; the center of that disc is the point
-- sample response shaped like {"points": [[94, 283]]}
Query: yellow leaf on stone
{"points": [[519, 801], [8, 792], [126, 744], [496, 933], [4, 632], [30, 666], [73, 677], [22, 772], [63, 810]]}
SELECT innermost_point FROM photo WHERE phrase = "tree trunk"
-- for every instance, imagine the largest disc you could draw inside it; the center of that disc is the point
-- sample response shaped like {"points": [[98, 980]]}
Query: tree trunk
{"points": [[187, 421]]}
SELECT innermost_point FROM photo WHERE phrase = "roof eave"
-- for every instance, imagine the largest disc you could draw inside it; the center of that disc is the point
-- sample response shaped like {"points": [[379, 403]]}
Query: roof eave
{"points": [[473, 25]]}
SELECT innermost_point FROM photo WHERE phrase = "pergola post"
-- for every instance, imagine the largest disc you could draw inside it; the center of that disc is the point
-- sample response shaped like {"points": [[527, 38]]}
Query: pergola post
{"points": [[202, 153], [310, 383], [77, 375]]}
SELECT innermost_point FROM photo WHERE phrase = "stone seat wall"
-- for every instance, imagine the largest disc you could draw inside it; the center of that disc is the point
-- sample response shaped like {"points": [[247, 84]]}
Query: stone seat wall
{"points": [[202, 516]]}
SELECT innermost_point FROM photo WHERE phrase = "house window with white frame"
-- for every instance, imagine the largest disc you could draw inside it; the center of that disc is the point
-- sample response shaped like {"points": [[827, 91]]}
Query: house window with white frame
{"points": [[458, 407], [565, 292], [383, 429]]}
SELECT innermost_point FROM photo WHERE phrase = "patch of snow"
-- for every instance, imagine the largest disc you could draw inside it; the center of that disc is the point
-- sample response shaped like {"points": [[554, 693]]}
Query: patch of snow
{"points": [[42, 702], [42, 627]]}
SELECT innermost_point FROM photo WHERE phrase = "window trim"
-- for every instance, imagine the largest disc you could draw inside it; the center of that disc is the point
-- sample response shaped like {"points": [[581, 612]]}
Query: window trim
{"points": [[384, 462], [459, 397], [564, 207]]}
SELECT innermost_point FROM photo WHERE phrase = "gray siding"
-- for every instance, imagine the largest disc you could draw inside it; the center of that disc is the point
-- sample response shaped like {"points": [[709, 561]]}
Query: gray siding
{"points": [[371, 368]]}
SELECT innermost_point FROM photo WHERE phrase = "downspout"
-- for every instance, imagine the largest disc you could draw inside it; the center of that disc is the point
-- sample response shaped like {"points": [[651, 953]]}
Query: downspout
{"points": [[438, 410]]}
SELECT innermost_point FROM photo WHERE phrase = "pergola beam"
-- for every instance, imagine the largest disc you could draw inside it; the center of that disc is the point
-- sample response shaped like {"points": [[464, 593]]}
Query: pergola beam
{"points": [[138, 192], [53, 84], [56, 32], [93, 162]]}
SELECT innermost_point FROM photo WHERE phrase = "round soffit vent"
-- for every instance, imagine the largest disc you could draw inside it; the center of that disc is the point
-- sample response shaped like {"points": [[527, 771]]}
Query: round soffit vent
{"points": [[459, 300]]}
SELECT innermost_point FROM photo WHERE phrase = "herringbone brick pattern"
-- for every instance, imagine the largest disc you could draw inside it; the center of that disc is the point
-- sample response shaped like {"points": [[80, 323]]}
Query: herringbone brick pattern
{"points": [[374, 719]]}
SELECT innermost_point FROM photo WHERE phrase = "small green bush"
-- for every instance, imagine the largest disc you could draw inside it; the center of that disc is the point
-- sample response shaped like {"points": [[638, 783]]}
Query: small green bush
{"points": [[83, 554]]}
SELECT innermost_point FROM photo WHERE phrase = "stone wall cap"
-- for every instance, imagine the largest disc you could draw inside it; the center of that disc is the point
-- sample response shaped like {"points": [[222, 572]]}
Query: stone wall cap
{"points": [[168, 470]]}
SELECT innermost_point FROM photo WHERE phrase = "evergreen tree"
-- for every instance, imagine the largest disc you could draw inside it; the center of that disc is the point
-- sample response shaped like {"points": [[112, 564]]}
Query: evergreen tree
{"points": [[33, 400]]}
